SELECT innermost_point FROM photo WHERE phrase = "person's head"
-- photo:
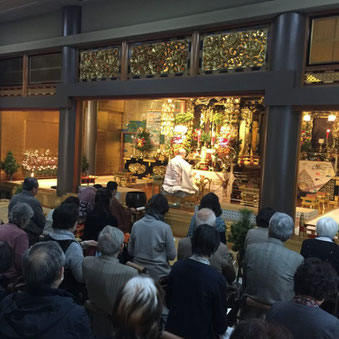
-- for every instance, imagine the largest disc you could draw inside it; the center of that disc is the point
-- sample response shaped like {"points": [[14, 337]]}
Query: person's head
{"points": [[20, 214], [281, 226], [42, 265], [65, 216], [31, 185], [6, 257], [211, 201], [97, 186], [205, 240], [110, 241], [137, 309], [102, 199], [158, 204], [327, 227], [259, 329], [72, 200], [316, 279], [113, 187], [205, 216], [264, 216], [182, 152]]}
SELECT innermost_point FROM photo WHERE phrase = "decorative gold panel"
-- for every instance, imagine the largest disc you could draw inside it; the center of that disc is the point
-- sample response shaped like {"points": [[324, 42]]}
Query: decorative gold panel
{"points": [[137, 168], [312, 78], [155, 59], [159, 170], [232, 50], [97, 64]]}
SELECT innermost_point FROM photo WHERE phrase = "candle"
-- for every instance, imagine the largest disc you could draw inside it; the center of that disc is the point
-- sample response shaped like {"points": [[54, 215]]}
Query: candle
{"points": [[213, 138], [327, 133], [199, 134]]}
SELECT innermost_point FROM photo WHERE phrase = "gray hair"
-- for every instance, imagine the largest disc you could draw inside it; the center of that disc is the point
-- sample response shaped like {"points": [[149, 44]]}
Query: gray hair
{"points": [[20, 214], [281, 226], [327, 227], [205, 216], [42, 263], [110, 240]]}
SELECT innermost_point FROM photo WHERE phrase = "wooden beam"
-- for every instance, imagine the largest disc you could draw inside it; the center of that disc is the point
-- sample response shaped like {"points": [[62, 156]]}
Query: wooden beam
{"points": [[237, 15], [25, 75], [195, 54], [124, 61]]}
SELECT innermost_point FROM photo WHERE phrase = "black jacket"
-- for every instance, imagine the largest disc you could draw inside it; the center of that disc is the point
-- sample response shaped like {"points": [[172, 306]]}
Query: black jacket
{"points": [[324, 250], [196, 298], [37, 222], [44, 313]]}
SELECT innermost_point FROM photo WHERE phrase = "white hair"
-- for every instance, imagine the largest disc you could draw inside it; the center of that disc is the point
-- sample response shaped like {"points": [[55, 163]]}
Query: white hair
{"points": [[110, 240], [281, 226], [20, 214], [205, 216], [327, 227], [140, 289]]}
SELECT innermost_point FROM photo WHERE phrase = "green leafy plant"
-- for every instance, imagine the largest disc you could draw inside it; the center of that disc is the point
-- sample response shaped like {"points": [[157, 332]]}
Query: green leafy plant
{"points": [[218, 118], [239, 230], [205, 137], [184, 118], [9, 165], [84, 165], [18, 189]]}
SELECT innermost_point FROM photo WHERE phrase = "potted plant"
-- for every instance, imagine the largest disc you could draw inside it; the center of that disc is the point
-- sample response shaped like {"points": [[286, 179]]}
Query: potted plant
{"points": [[84, 165], [9, 165], [239, 230]]}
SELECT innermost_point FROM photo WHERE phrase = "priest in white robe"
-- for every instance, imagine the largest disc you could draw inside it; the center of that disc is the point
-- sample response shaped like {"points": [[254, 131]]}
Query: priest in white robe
{"points": [[178, 178]]}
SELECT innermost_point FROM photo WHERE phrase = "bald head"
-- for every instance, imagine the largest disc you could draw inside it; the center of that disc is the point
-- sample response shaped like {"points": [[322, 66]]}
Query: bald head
{"points": [[42, 264], [205, 216]]}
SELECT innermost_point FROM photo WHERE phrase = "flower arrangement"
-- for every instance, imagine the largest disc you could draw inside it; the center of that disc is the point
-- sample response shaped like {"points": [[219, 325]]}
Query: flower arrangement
{"points": [[143, 140], [306, 136], [42, 164]]}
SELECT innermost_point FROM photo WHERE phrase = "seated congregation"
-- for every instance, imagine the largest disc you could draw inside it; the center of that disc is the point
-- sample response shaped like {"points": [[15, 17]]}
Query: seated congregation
{"points": [[88, 272]]}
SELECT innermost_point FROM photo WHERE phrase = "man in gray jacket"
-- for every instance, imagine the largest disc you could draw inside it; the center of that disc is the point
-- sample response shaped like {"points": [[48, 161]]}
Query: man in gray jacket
{"points": [[36, 225], [269, 266]]}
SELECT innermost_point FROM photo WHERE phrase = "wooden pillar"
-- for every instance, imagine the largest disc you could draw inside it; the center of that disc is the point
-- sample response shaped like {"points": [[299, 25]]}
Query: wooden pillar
{"points": [[283, 123], [67, 120]]}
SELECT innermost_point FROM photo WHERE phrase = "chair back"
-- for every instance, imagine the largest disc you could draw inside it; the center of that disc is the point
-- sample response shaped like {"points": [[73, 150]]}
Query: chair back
{"points": [[101, 322]]}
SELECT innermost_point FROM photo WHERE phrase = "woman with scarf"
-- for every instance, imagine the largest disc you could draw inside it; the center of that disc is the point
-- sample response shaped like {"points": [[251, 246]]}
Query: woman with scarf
{"points": [[151, 242]]}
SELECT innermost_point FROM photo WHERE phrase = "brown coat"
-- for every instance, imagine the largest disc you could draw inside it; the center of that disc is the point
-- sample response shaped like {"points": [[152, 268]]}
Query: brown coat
{"points": [[122, 214]]}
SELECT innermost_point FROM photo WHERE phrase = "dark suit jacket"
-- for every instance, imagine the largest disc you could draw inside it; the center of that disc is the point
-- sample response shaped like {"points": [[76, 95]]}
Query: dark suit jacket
{"points": [[269, 269], [221, 260], [324, 250], [37, 222], [196, 299], [95, 223], [304, 322], [104, 276]]}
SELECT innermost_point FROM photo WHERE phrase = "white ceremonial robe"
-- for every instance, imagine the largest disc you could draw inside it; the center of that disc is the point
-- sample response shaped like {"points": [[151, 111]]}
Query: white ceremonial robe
{"points": [[178, 177]]}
